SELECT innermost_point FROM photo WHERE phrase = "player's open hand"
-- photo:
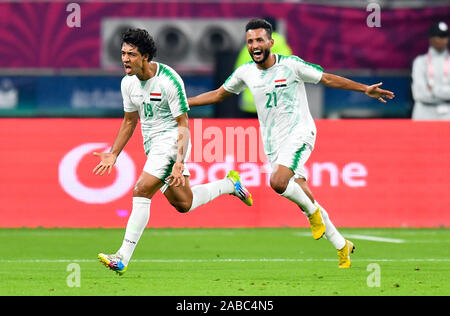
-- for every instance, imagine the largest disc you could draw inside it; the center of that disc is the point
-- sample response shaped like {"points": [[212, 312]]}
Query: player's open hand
{"points": [[374, 91], [107, 162], [176, 178]]}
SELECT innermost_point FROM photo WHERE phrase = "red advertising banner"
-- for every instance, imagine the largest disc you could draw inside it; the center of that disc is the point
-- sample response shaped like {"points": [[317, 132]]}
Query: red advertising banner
{"points": [[366, 173]]}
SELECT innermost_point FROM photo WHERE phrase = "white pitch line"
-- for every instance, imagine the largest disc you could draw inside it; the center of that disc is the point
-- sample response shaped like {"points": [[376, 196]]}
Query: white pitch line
{"points": [[224, 260], [374, 238], [362, 237]]}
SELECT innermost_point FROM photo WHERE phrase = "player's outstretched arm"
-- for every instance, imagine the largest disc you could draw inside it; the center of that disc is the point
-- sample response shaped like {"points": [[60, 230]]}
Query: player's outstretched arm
{"points": [[211, 97], [372, 91], [126, 130]]}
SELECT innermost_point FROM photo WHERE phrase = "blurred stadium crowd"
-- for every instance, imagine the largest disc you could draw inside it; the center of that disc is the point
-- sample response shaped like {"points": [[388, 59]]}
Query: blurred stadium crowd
{"points": [[62, 59]]}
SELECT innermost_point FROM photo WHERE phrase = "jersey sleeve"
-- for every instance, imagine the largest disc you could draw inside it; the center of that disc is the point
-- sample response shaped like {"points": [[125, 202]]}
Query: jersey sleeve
{"points": [[176, 95], [235, 84], [305, 71], [128, 106]]}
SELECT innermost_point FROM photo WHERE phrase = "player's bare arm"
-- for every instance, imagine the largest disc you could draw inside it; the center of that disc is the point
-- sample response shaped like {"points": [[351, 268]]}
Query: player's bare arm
{"points": [[125, 132], [373, 91], [176, 178], [211, 97]]}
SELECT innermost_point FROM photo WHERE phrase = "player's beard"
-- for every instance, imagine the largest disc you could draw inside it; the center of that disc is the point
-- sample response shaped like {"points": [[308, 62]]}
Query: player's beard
{"points": [[266, 53]]}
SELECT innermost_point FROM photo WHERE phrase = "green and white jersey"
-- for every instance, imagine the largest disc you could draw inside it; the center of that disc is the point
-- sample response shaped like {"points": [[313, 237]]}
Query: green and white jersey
{"points": [[280, 98], [159, 100]]}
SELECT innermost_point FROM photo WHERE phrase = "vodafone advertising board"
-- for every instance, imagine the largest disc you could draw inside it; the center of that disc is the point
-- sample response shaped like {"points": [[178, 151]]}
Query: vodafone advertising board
{"points": [[366, 173]]}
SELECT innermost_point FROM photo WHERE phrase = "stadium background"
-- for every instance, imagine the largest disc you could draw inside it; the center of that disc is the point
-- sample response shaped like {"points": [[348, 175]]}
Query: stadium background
{"points": [[60, 100]]}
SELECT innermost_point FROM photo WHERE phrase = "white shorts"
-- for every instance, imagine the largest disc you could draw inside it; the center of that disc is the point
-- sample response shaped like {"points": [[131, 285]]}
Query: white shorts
{"points": [[293, 155], [161, 157]]}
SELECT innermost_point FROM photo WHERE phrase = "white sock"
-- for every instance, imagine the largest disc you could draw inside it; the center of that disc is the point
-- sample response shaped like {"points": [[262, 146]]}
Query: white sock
{"points": [[295, 193], [205, 193], [136, 224], [331, 233]]}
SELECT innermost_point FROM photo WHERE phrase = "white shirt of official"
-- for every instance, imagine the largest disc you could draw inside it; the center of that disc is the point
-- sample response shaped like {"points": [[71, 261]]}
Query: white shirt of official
{"points": [[431, 86]]}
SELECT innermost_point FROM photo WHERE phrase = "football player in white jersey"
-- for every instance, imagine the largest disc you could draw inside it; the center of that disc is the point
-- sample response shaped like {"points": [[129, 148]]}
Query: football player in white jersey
{"points": [[286, 124], [154, 94]]}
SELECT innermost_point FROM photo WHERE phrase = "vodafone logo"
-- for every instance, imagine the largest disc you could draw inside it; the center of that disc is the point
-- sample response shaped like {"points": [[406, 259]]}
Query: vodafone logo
{"points": [[70, 182]]}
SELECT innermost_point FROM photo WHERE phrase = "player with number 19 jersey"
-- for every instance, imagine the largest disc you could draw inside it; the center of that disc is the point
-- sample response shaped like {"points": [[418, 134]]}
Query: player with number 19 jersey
{"points": [[159, 100], [287, 127]]}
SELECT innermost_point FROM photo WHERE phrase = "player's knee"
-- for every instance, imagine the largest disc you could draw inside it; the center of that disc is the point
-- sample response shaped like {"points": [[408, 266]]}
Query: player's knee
{"points": [[278, 185], [182, 206], [141, 190]]}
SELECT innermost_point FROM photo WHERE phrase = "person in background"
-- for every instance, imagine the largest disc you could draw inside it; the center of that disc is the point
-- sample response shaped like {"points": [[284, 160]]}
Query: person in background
{"points": [[280, 46], [431, 77]]}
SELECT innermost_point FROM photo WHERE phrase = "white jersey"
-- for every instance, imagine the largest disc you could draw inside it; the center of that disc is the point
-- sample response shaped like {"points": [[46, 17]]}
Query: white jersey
{"points": [[158, 100], [280, 98]]}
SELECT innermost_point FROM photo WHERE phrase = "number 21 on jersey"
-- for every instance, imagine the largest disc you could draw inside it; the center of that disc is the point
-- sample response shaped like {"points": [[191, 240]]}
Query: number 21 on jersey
{"points": [[271, 99]]}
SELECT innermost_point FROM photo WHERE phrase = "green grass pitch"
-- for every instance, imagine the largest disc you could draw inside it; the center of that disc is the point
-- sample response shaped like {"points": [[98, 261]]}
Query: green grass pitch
{"points": [[225, 262]]}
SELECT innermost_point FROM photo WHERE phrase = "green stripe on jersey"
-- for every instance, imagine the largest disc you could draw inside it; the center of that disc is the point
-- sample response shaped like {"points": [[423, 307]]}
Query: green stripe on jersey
{"points": [[168, 170], [181, 95], [297, 156], [296, 58], [159, 69]]}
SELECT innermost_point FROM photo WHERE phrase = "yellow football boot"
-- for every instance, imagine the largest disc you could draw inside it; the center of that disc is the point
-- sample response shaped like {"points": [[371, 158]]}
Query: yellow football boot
{"points": [[317, 225], [344, 255]]}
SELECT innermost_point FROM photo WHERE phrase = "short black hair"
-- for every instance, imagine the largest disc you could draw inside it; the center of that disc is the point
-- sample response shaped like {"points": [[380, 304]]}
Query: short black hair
{"points": [[259, 24], [142, 40]]}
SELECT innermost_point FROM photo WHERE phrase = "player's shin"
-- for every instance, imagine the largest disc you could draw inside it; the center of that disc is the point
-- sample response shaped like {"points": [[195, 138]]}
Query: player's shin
{"points": [[136, 224], [204, 193], [331, 233], [296, 194]]}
